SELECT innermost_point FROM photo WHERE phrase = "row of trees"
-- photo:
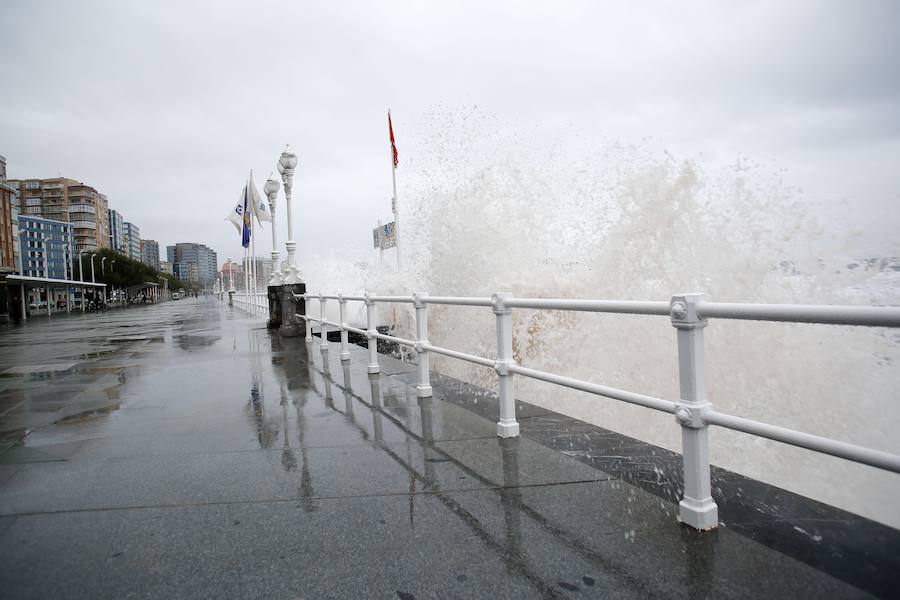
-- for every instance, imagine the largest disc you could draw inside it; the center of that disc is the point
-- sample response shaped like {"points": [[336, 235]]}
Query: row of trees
{"points": [[126, 271]]}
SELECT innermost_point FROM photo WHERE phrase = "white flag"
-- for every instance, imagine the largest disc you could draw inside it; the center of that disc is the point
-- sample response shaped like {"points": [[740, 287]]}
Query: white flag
{"points": [[236, 216], [260, 208]]}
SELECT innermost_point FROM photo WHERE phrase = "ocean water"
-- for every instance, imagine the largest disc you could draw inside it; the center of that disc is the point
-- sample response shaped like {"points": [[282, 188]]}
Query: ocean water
{"points": [[487, 207]]}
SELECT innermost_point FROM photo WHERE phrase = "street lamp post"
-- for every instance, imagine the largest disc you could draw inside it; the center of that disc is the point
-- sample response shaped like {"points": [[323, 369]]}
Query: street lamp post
{"points": [[103, 266], [81, 277], [93, 279], [286, 165], [271, 190], [112, 269]]}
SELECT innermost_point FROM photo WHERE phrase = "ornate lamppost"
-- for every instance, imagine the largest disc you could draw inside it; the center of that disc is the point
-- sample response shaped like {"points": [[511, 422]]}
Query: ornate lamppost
{"points": [[271, 189], [286, 165]]}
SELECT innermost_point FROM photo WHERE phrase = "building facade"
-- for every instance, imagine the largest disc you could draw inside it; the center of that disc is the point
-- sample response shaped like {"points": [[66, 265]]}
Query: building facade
{"points": [[9, 224], [150, 253], [63, 199], [116, 231], [193, 262], [132, 239], [46, 247]]}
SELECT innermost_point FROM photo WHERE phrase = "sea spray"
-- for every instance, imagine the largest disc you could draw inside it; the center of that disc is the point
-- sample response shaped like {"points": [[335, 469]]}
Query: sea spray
{"points": [[488, 207]]}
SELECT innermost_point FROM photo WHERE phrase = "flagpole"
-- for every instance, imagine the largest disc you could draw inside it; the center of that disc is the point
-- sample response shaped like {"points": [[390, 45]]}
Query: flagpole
{"points": [[394, 202], [253, 264]]}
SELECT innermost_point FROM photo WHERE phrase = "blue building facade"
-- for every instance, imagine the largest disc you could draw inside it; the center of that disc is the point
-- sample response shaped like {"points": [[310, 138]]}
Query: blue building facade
{"points": [[116, 231], [37, 236]]}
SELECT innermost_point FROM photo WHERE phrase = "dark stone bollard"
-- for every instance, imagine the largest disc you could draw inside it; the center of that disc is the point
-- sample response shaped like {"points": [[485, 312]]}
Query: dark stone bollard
{"points": [[283, 307]]}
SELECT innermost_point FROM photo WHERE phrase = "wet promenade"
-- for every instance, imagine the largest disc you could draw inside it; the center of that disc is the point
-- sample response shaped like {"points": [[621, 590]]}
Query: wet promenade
{"points": [[180, 451]]}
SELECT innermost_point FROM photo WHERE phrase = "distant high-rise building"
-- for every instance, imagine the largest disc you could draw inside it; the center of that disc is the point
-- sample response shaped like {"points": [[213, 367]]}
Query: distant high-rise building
{"points": [[64, 199], [132, 239], [150, 253], [116, 231], [39, 237], [193, 262], [263, 271]]}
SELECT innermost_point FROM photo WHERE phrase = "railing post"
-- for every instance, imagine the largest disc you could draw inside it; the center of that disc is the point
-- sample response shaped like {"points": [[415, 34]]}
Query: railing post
{"points": [[371, 331], [507, 425], [323, 331], [697, 508], [423, 389], [345, 348], [309, 337]]}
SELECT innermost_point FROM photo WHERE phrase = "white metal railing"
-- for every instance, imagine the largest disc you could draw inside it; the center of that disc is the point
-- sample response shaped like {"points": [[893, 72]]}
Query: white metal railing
{"points": [[255, 304], [688, 313]]}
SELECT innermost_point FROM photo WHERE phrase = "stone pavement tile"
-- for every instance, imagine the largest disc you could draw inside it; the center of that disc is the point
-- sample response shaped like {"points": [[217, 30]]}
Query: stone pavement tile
{"points": [[608, 540], [7, 471], [20, 454], [50, 486], [182, 552], [515, 462], [56, 556], [5, 523], [421, 417], [380, 547]]}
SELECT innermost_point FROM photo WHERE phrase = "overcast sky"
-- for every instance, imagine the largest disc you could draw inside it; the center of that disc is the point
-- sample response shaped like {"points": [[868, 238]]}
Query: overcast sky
{"points": [[165, 106]]}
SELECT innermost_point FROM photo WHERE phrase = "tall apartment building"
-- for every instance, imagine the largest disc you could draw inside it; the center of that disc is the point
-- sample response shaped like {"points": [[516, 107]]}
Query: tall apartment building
{"points": [[193, 262], [132, 239], [150, 253], [263, 270], [64, 199], [46, 247], [9, 226], [116, 231]]}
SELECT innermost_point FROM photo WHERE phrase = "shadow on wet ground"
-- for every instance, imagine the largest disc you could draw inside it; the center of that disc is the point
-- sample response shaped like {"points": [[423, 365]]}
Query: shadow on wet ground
{"points": [[183, 452]]}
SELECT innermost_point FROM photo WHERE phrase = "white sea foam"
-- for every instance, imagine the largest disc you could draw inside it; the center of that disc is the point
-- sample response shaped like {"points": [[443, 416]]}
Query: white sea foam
{"points": [[560, 216]]}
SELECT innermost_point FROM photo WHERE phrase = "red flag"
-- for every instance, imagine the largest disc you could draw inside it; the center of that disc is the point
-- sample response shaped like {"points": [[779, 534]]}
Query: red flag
{"points": [[393, 145]]}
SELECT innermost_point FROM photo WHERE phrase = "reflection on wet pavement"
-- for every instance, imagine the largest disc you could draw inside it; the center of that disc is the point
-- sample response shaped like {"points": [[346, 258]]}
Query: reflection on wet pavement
{"points": [[180, 451]]}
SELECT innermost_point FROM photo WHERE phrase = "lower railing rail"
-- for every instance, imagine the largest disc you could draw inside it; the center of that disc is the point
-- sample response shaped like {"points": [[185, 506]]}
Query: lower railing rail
{"points": [[688, 313]]}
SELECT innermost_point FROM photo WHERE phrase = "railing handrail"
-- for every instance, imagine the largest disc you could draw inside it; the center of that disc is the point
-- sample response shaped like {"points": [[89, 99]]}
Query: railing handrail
{"points": [[825, 314], [688, 313]]}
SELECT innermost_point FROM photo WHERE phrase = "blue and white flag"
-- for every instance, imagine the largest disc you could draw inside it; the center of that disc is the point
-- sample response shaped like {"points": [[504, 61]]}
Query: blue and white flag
{"points": [[248, 222], [259, 208], [236, 216]]}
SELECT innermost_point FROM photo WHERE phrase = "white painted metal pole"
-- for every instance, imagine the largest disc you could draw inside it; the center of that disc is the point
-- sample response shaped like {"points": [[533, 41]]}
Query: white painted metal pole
{"points": [[323, 330], [395, 204], [306, 309], [345, 348], [697, 508], [507, 426], [253, 267], [371, 330], [423, 389]]}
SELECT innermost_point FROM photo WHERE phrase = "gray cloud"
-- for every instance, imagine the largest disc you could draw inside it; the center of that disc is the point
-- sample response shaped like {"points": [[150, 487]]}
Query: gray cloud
{"points": [[165, 106]]}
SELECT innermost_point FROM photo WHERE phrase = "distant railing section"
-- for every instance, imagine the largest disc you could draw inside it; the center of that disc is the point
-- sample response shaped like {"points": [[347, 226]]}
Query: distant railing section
{"points": [[688, 313], [256, 304]]}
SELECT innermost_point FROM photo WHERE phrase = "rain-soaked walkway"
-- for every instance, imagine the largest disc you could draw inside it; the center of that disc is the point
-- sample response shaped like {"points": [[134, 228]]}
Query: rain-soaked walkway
{"points": [[180, 451]]}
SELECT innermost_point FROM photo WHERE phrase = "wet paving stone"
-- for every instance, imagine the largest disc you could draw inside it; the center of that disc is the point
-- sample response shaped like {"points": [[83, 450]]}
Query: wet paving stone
{"points": [[189, 453]]}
